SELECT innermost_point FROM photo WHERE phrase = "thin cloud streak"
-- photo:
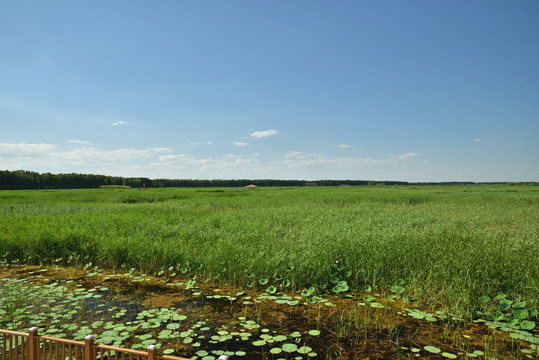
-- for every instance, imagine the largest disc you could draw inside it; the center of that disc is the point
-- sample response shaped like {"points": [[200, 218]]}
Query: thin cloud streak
{"points": [[25, 149], [27, 153], [118, 123], [263, 134], [200, 143], [81, 142], [405, 156], [298, 159]]}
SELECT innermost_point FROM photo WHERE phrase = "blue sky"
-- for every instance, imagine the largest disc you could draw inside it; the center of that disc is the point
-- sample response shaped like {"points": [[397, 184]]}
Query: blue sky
{"points": [[373, 90]]}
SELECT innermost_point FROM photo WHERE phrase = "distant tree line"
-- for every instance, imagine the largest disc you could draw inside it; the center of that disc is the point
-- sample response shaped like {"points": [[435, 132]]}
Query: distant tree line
{"points": [[26, 180]]}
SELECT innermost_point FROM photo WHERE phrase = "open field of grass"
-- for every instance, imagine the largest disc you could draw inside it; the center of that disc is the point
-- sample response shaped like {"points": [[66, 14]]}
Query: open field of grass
{"points": [[388, 272], [452, 244]]}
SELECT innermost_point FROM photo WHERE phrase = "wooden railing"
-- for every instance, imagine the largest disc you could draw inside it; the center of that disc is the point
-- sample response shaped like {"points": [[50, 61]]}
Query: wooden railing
{"points": [[30, 346]]}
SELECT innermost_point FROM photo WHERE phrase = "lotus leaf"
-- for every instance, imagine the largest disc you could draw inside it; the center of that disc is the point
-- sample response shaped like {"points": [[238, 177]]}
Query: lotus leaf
{"points": [[304, 350], [519, 305], [484, 299], [368, 298], [307, 292], [289, 348], [504, 304], [432, 349]]}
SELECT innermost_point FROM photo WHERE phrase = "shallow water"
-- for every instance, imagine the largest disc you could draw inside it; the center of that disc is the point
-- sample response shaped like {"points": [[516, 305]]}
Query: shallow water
{"points": [[203, 322]]}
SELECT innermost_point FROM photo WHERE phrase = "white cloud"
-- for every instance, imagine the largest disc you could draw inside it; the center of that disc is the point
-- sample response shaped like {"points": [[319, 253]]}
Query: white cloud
{"points": [[163, 162], [227, 163], [297, 159], [172, 157], [240, 144], [476, 140], [263, 134], [50, 158], [295, 155], [81, 142], [161, 149], [25, 149], [201, 143], [405, 156], [344, 146], [118, 123]]}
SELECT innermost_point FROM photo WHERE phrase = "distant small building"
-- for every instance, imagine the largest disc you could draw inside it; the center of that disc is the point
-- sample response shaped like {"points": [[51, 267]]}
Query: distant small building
{"points": [[251, 186]]}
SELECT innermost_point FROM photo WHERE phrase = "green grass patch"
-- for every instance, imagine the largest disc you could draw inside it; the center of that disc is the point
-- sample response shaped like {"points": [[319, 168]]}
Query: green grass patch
{"points": [[450, 244]]}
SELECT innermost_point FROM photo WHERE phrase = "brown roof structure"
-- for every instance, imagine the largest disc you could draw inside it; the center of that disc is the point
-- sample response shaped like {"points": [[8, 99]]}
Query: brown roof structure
{"points": [[251, 186]]}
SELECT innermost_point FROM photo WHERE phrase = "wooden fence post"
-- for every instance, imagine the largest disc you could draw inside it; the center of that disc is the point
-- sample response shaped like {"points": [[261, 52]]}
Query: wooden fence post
{"points": [[151, 351], [33, 344], [89, 352]]}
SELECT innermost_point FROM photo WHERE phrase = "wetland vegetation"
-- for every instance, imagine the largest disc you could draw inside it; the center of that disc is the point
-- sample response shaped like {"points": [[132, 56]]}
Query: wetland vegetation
{"points": [[321, 272]]}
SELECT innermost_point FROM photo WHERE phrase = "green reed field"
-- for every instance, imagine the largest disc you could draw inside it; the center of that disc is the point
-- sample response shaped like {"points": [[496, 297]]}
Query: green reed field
{"points": [[449, 244]]}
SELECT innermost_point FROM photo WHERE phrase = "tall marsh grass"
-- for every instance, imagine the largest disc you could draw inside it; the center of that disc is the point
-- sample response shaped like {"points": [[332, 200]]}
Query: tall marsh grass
{"points": [[454, 243]]}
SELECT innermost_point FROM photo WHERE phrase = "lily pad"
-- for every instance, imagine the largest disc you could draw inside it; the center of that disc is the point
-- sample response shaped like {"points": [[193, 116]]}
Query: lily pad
{"points": [[289, 348], [304, 350], [484, 300], [432, 349], [449, 355], [504, 305]]}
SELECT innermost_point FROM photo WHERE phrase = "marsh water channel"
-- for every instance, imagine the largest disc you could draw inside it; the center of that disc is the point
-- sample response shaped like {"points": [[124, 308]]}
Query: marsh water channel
{"points": [[203, 320]]}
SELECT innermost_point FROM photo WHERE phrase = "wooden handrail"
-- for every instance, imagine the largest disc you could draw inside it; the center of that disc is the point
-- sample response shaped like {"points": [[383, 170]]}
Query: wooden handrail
{"points": [[64, 341], [89, 348], [13, 333]]}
